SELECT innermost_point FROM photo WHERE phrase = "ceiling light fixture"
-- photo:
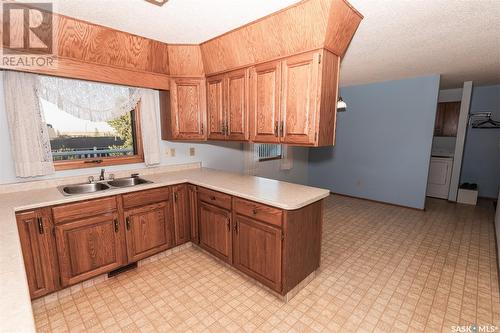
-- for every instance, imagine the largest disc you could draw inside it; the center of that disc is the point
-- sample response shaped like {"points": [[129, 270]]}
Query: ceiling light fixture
{"points": [[157, 2], [341, 105]]}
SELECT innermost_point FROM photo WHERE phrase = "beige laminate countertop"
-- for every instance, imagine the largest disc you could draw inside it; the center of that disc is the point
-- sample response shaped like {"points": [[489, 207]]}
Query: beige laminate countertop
{"points": [[15, 306]]}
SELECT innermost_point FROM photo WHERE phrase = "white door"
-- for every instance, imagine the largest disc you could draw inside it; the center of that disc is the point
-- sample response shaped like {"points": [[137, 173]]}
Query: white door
{"points": [[438, 184]]}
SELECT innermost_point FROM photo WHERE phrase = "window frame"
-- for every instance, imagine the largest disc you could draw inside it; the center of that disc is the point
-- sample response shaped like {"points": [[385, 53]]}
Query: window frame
{"points": [[272, 158], [114, 160]]}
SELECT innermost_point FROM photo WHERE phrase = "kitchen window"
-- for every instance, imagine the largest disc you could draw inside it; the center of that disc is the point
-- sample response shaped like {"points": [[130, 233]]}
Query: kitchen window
{"points": [[78, 143], [267, 152]]}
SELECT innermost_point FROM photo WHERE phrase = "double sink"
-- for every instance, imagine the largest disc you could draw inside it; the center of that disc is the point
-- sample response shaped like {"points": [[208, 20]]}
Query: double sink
{"points": [[93, 187]]}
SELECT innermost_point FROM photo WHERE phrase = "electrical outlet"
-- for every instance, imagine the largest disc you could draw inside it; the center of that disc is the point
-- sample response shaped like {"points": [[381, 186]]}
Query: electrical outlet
{"points": [[167, 151], [172, 152], [192, 151]]}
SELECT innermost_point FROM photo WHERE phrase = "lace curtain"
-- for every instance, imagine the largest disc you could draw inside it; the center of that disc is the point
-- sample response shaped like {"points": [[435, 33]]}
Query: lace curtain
{"points": [[29, 137], [88, 100]]}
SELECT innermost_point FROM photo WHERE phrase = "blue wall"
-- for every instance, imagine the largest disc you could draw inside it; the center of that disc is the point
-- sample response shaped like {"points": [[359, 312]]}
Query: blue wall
{"points": [[481, 162], [383, 144]]}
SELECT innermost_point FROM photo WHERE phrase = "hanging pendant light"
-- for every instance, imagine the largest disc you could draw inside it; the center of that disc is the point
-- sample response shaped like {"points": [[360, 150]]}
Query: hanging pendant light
{"points": [[157, 2], [341, 105]]}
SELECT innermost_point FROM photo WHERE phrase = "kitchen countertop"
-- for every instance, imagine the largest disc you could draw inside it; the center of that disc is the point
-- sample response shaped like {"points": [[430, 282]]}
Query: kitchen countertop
{"points": [[15, 307]]}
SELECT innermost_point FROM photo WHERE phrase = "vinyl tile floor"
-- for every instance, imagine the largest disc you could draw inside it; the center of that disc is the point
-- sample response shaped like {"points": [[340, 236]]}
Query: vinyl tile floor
{"points": [[383, 269]]}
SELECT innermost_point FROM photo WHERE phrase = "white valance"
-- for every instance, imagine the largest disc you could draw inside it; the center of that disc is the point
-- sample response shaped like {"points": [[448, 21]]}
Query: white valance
{"points": [[88, 100]]}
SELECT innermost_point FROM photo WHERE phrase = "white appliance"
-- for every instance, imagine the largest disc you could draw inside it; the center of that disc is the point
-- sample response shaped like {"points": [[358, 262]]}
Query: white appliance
{"points": [[438, 184]]}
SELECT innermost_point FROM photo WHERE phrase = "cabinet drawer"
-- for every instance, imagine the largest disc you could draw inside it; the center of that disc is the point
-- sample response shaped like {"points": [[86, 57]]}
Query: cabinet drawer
{"points": [[83, 209], [146, 197], [214, 198], [258, 211]]}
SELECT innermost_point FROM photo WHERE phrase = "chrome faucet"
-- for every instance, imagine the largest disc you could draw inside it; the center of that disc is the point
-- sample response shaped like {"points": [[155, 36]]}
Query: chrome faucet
{"points": [[101, 177]]}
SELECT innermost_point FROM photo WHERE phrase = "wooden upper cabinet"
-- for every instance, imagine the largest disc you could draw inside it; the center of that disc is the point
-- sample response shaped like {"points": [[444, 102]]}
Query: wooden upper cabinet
{"points": [[227, 106], [39, 251], [215, 230], [265, 91], [150, 229], [89, 246], [447, 119], [216, 118], [300, 78], [237, 105], [185, 119], [182, 220]]}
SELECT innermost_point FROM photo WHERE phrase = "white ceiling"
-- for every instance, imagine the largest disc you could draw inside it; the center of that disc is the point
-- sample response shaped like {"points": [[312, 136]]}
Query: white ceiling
{"points": [[459, 39]]}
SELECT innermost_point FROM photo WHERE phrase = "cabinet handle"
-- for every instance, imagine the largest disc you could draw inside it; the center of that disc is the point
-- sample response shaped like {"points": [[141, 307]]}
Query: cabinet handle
{"points": [[282, 125], [222, 128], [116, 225], [127, 223], [236, 227], [40, 225], [276, 128], [212, 197], [202, 130], [254, 211], [226, 128], [175, 196], [228, 223]]}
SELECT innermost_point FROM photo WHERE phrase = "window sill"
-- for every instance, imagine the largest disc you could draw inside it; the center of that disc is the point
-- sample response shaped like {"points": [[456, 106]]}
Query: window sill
{"points": [[105, 161]]}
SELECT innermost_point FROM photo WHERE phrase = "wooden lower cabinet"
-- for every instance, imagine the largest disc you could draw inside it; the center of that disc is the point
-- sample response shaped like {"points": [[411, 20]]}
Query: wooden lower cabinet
{"points": [[149, 230], [257, 250], [181, 214], [89, 247], [40, 258], [215, 230]]}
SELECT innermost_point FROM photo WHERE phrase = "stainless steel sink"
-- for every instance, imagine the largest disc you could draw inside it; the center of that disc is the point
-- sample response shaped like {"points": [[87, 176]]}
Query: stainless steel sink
{"points": [[83, 188], [127, 182]]}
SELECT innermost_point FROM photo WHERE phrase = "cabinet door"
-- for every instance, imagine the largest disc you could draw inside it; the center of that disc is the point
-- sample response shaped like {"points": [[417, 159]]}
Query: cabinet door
{"points": [[181, 214], [299, 99], [215, 108], [39, 252], [149, 230], [89, 247], [215, 230], [193, 213], [257, 250], [265, 82], [237, 105], [187, 112]]}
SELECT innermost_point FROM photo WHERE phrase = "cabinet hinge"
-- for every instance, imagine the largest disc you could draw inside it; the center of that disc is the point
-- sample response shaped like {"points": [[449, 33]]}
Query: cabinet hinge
{"points": [[315, 136], [319, 59], [282, 235], [60, 280]]}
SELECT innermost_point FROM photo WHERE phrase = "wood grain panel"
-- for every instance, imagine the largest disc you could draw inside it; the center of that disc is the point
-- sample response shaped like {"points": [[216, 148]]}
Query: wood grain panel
{"points": [[215, 230], [298, 28], [146, 197], [299, 98], [185, 60], [258, 211], [82, 209], [214, 198], [150, 229], [237, 104], [265, 90], [193, 212], [89, 247], [342, 25], [326, 123], [39, 251], [302, 243], [181, 213], [216, 113], [257, 251]]}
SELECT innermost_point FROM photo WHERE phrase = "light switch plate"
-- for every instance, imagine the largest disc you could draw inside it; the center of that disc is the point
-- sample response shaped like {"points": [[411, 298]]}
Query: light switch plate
{"points": [[192, 151]]}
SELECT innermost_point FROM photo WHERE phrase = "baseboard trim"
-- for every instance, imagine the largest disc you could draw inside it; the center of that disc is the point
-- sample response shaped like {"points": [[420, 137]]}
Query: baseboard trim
{"points": [[378, 201]]}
